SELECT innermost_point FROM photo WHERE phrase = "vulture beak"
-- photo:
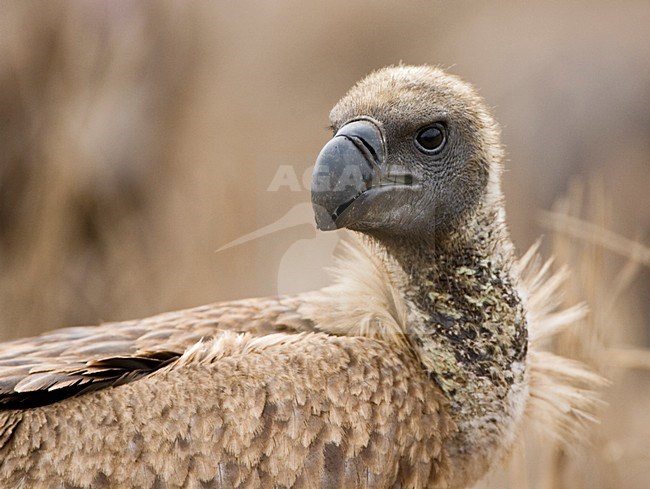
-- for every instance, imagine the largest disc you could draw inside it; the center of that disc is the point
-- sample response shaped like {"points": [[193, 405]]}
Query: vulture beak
{"points": [[348, 166]]}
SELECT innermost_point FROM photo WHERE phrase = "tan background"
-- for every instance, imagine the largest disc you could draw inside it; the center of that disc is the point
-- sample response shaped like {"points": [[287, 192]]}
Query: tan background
{"points": [[138, 138]]}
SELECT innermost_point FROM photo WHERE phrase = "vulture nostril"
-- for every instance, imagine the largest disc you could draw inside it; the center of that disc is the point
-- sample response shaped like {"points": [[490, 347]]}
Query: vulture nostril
{"points": [[367, 151]]}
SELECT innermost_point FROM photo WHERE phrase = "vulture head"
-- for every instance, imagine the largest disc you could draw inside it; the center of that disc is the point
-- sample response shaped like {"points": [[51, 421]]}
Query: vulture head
{"points": [[414, 153]]}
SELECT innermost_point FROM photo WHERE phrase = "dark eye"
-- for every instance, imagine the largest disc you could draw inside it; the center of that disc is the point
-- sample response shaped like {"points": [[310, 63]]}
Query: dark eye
{"points": [[431, 138]]}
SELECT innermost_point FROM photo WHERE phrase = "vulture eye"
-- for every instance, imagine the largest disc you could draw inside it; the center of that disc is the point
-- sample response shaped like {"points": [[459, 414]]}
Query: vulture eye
{"points": [[431, 138]]}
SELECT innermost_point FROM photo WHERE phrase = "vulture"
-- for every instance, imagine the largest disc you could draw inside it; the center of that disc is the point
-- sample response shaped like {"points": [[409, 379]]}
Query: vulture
{"points": [[414, 369]]}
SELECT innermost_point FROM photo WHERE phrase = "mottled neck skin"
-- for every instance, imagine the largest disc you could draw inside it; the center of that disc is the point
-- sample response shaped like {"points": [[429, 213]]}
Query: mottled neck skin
{"points": [[469, 329]]}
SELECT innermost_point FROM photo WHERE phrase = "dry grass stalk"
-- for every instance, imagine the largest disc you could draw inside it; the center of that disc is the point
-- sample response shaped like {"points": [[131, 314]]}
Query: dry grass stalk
{"points": [[581, 223]]}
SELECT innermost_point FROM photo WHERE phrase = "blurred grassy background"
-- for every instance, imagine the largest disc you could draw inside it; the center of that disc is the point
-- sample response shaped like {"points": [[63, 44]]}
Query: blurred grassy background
{"points": [[137, 138]]}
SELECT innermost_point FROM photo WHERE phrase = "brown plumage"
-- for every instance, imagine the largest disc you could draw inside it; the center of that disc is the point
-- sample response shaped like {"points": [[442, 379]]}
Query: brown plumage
{"points": [[411, 371]]}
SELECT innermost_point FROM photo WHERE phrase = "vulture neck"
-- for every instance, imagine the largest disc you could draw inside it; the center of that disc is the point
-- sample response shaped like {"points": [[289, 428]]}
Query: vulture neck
{"points": [[468, 326]]}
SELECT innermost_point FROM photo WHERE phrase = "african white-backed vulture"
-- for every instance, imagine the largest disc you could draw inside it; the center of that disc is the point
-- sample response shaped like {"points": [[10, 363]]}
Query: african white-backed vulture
{"points": [[411, 371]]}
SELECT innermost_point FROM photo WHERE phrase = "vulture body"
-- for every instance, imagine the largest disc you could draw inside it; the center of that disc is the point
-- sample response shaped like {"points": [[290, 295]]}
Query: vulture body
{"points": [[411, 371]]}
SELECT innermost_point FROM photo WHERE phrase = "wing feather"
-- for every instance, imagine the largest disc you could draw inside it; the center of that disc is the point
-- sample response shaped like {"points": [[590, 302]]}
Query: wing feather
{"points": [[243, 411], [66, 362]]}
